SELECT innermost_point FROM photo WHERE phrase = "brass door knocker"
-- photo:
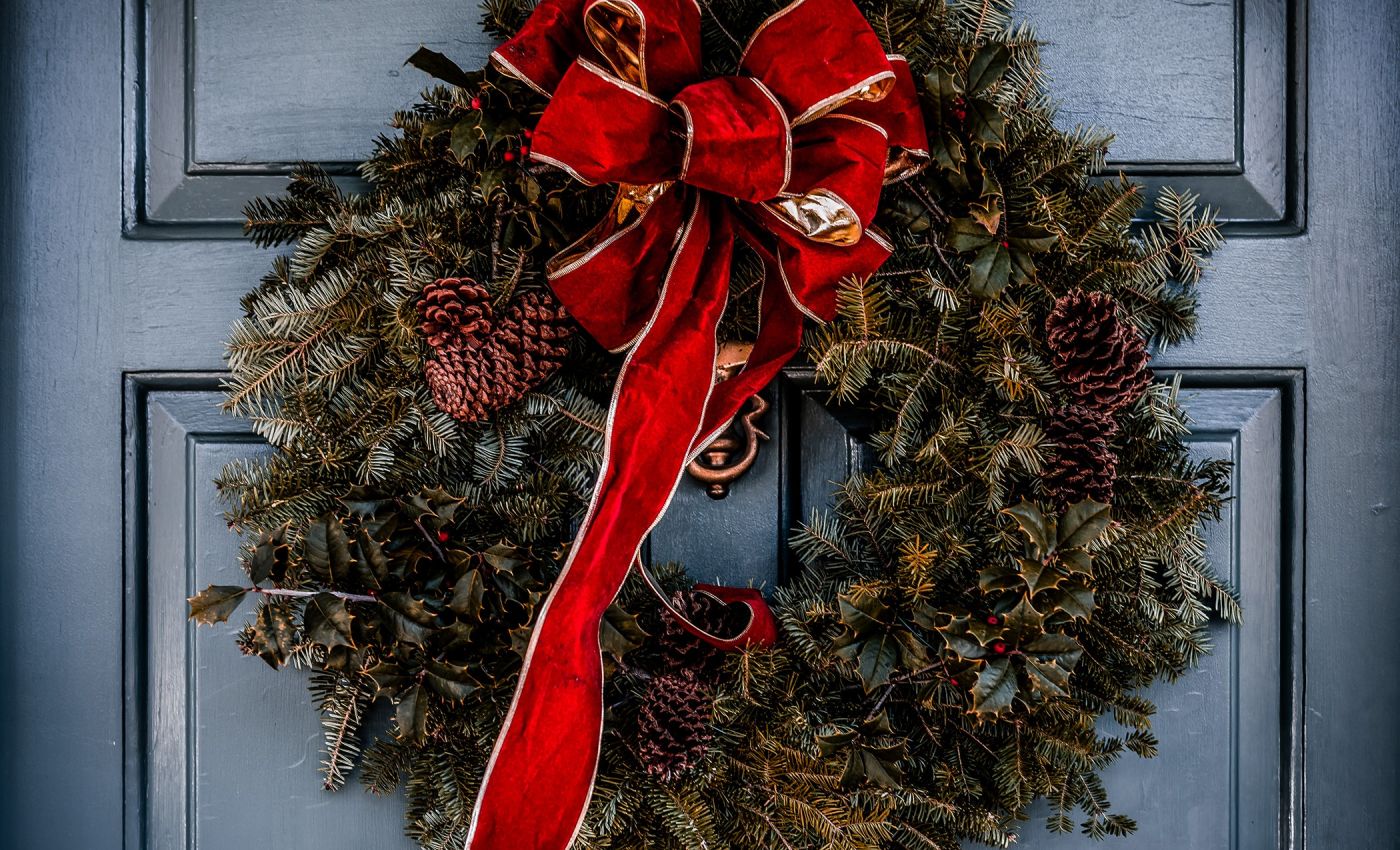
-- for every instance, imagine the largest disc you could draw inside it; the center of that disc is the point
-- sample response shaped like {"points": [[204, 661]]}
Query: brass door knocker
{"points": [[733, 452]]}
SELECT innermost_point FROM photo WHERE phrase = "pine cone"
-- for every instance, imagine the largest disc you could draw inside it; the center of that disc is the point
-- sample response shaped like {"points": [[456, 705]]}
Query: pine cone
{"points": [[683, 652], [673, 724], [483, 364], [453, 309], [1101, 360], [1084, 465]]}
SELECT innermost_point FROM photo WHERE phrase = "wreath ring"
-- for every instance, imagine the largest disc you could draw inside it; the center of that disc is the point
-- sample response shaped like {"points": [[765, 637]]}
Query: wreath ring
{"points": [[1025, 557]]}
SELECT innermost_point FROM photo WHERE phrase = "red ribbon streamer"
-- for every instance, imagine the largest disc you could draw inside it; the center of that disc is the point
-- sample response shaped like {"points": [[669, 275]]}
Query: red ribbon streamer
{"points": [[789, 155]]}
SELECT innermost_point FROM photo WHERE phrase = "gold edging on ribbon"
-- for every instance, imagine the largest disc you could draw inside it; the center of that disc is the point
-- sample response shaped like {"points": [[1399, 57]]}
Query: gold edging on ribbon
{"points": [[787, 131]]}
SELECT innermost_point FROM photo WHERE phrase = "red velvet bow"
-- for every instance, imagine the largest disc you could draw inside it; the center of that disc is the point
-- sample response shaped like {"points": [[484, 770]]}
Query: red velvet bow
{"points": [[789, 155]]}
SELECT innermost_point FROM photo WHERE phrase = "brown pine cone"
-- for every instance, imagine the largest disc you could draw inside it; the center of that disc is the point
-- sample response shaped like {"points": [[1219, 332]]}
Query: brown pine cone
{"points": [[452, 311], [1084, 465], [673, 724], [535, 332], [458, 386], [1101, 360], [483, 363], [680, 650]]}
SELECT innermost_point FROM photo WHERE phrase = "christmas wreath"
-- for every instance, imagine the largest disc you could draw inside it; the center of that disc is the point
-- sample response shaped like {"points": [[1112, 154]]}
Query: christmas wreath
{"points": [[483, 373]]}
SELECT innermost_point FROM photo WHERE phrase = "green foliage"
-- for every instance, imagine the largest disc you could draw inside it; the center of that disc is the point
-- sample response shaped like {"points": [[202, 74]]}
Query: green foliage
{"points": [[949, 647]]}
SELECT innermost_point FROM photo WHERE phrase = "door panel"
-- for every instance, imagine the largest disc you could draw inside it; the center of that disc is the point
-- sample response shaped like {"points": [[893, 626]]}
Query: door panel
{"points": [[227, 749], [134, 132]]}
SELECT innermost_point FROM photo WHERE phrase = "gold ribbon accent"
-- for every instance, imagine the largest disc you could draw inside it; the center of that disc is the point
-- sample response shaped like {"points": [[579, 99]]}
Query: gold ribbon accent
{"points": [[616, 29], [819, 215]]}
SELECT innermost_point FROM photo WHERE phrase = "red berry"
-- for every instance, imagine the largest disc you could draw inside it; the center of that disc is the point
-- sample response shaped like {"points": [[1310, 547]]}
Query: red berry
{"points": [[999, 647], [524, 151], [1005, 244], [960, 114], [476, 103], [953, 682], [508, 156], [993, 619], [529, 134], [442, 536]]}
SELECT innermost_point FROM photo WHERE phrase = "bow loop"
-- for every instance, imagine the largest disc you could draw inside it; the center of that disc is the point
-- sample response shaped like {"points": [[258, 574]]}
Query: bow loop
{"points": [[738, 143], [653, 44], [838, 58], [638, 144]]}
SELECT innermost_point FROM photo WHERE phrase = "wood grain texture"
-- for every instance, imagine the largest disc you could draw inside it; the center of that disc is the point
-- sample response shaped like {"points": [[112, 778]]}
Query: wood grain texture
{"points": [[60, 431], [1353, 426], [1183, 112]]}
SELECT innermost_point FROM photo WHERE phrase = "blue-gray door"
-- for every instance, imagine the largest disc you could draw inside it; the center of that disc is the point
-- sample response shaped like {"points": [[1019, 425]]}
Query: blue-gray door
{"points": [[133, 131]]}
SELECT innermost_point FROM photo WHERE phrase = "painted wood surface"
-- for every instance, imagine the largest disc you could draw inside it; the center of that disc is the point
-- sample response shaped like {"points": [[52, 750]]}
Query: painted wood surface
{"points": [[128, 146]]}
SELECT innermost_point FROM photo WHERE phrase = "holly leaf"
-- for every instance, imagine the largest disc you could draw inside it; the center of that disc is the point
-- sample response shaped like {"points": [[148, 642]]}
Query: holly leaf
{"points": [[986, 122], [986, 213], [1059, 647], [326, 621], [990, 271], [1022, 267], [410, 618], [503, 557], [854, 772], [1047, 677], [862, 611], [467, 596], [1000, 576], [389, 678], [372, 567], [410, 607], [618, 633], [946, 149], [216, 603], [987, 67], [491, 180], [995, 687], [912, 652], [327, 549], [885, 773], [449, 680], [1039, 575], [412, 715], [1039, 530], [465, 135], [955, 634], [965, 234], [831, 743], [1032, 238], [438, 65], [1024, 622], [270, 557], [274, 633], [941, 86], [874, 658], [1049, 659], [908, 214], [1083, 523], [1074, 600], [877, 725]]}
